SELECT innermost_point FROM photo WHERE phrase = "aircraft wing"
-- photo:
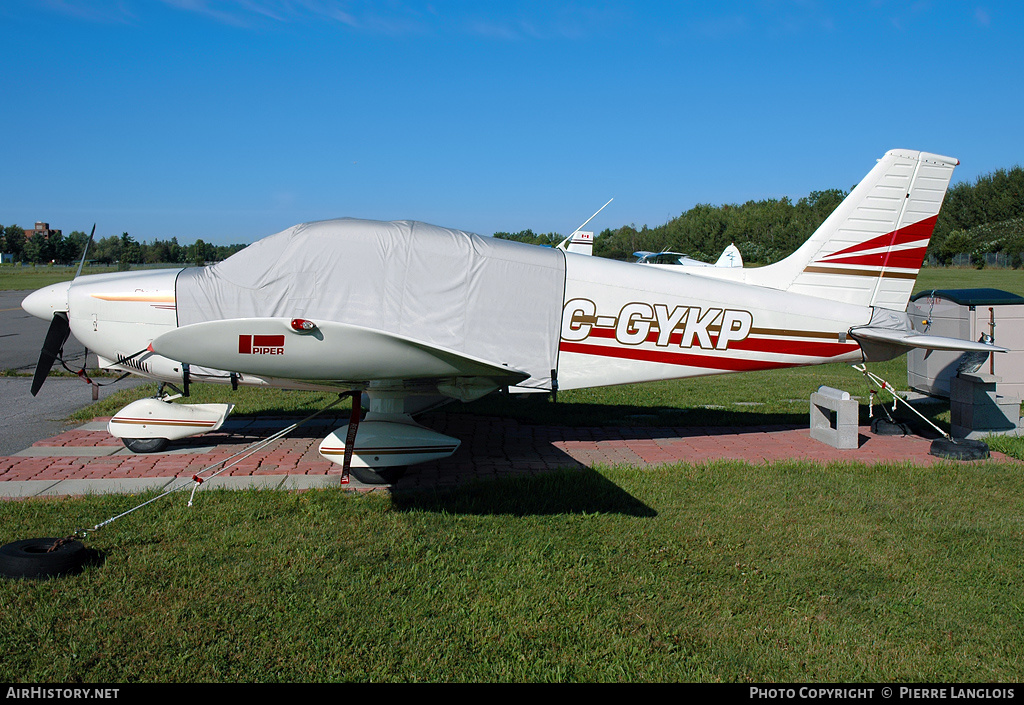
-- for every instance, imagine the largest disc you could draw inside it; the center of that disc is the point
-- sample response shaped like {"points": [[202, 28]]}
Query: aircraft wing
{"points": [[282, 347], [911, 339]]}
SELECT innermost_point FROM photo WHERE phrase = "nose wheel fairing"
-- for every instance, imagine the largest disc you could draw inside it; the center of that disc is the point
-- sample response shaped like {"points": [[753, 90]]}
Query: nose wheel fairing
{"points": [[158, 419]]}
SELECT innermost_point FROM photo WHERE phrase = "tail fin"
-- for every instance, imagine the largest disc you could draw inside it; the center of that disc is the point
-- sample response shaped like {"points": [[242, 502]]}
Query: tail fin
{"points": [[870, 249], [730, 257], [581, 242]]}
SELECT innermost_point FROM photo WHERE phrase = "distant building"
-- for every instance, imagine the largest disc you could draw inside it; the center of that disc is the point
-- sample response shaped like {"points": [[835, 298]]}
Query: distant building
{"points": [[43, 228]]}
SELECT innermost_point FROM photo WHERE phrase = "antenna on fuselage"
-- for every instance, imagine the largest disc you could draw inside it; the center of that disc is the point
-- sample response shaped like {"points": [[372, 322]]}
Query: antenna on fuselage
{"points": [[85, 250], [591, 217], [587, 242]]}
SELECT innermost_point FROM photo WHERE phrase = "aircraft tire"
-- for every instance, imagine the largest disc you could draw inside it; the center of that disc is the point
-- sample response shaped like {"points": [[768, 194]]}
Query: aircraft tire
{"points": [[32, 558], [145, 445], [961, 449]]}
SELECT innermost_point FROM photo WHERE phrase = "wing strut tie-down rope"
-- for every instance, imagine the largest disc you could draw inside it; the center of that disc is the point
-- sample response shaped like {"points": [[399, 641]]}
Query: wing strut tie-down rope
{"points": [[885, 386], [350, 437], [197, 479]]}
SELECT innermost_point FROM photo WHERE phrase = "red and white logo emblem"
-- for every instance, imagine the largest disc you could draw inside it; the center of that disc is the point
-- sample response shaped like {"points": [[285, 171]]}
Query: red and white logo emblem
{"points": [[261, 345]]}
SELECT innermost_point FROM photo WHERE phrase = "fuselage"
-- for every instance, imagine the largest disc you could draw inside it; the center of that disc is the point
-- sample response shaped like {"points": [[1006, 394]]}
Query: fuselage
{"points": [[619, 323], [624, 323]]}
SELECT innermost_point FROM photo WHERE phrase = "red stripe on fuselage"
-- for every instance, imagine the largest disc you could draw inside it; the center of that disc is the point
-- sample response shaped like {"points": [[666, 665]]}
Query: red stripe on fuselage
{"points": [[765, 345], [710, 362]]}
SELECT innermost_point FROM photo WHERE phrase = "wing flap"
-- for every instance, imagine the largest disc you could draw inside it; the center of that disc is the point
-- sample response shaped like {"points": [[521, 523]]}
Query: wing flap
{"points": [[332, 351]]}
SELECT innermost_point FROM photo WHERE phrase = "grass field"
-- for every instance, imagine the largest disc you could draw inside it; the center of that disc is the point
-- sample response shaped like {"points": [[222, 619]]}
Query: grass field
{"points": [[719, 571], [18, 277], [1011, 280], [713, 572]]}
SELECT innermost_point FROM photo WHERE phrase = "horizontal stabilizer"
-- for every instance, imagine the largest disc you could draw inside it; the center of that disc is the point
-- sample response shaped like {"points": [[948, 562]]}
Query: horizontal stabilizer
{"points": [[283, 348], [910, 339]]}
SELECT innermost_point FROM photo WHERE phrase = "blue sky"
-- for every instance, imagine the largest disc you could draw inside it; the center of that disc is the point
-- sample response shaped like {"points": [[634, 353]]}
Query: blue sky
{"points": [[229, 121]]}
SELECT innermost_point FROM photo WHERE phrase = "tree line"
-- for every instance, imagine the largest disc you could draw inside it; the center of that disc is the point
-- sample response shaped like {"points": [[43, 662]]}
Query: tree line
{"points": [[976, 218], [57, 248], [532, 238], [986, 216], [764, 231]]}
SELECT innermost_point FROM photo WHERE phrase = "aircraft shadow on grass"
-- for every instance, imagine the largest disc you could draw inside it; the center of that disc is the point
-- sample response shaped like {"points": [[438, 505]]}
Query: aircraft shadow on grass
{"points": [[567, 491]]}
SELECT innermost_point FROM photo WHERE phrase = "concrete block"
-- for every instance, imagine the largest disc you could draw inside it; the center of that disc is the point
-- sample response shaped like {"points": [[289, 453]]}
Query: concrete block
{"points": [[977, 409], [833, 418], [972, 388]]}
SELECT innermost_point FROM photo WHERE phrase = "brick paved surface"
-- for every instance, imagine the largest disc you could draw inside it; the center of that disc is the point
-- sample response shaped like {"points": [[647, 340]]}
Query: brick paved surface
{"points": [[491, 447]]}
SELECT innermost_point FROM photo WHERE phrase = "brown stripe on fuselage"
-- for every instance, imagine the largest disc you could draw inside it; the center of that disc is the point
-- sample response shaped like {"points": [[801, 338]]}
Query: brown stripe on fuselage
{"points": [[860, 272]]}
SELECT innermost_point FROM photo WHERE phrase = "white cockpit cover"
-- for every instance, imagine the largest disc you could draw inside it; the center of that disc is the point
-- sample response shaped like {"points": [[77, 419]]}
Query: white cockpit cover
{"points": [[497, 300]]}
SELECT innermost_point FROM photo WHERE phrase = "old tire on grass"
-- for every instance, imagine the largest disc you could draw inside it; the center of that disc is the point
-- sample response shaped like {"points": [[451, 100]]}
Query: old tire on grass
{"points": [[960, 449], [32, 558], [145, 445]]}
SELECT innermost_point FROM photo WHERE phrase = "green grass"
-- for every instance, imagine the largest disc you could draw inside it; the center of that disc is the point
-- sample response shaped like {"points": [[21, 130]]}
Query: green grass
{"points": [[17, 277], [1011, 280], [248, 401], [716, 572]]}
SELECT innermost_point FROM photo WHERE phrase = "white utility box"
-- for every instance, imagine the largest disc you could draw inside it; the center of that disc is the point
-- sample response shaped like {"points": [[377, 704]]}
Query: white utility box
{"points": [[967, 314]]}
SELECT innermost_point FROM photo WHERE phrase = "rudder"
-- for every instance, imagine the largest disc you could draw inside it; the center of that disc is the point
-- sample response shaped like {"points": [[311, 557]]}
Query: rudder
{"points": [[870, 249]]}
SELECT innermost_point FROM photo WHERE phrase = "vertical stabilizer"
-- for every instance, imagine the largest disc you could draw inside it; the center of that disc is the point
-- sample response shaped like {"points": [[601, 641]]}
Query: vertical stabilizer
{"points": [[580, 242], [870, 249], [730, 257]]}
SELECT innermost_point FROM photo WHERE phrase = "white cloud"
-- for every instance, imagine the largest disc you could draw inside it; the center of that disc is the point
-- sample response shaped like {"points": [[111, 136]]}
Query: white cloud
{"points": [[117, 11], [376, 17]]}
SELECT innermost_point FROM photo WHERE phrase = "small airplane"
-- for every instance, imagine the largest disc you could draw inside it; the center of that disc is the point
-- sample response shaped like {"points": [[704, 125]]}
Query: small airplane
{"points": [[730, 257], [409, 315]]}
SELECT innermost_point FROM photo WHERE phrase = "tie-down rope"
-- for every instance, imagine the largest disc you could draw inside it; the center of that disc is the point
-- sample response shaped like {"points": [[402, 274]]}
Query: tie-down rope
{"points": [[197, 479], [885, 386]]}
